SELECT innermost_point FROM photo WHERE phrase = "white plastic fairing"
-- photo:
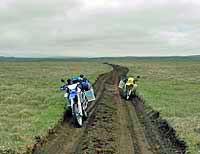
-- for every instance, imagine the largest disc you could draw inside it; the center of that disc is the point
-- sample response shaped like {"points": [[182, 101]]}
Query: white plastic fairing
{"points": [[90, 95], [121, 84]]}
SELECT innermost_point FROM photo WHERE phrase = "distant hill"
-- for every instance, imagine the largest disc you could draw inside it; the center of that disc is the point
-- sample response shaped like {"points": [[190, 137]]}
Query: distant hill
{"points": [[170, 58], [19, 59], [102, 59]]}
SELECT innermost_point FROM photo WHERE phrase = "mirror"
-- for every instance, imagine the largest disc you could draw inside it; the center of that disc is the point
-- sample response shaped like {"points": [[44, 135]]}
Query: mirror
{"points": [[62, 80]]}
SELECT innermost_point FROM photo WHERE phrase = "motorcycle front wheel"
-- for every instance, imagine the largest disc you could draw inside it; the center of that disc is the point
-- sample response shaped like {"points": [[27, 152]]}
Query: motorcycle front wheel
{"points": [[78, 121]]}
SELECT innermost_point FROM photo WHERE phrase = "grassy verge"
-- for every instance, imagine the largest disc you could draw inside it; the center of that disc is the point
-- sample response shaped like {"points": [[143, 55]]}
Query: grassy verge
{"points": [[173, 89], [30, 102]]}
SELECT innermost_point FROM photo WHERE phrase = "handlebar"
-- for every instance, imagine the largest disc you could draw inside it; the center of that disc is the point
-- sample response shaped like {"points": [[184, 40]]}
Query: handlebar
{"points": [[62, 80], [63, 88]]}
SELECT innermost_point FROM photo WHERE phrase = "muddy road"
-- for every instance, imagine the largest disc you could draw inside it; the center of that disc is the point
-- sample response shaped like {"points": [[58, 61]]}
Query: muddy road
{"points": [[114, 126]]}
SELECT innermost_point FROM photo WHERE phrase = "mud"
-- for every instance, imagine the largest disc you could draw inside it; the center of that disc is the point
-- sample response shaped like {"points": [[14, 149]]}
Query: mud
{"points": [[63, 138], [114, 126], [161, 136]]}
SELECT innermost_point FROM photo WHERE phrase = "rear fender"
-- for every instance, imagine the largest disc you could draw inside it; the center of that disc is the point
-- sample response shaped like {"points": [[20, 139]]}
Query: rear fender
{"points": [[129, 92]]}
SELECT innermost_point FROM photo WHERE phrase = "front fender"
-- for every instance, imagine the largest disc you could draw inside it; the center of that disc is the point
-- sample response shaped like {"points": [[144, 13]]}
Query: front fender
{"points": [[72, 103]]}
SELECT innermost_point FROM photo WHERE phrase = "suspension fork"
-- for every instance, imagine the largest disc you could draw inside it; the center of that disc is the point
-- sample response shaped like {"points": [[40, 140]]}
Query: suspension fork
{"points": [[79, 105]]}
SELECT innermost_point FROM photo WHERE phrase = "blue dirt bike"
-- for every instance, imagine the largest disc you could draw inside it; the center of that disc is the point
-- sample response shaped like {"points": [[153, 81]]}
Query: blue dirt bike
{"points": [[76, 101]]}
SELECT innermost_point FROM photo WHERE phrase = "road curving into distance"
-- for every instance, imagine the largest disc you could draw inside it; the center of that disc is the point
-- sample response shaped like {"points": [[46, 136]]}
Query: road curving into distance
{"points": [[114, 126]]}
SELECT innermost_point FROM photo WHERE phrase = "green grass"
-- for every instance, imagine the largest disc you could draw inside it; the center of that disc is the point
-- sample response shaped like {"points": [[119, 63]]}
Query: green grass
{"points": [[30, 102], [173, 89]]}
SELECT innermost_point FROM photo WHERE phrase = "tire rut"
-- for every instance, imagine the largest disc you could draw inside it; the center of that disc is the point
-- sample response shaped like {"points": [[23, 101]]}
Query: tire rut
{"points": [[65, 136], [126, 143], [114, 126], [137, 131]]}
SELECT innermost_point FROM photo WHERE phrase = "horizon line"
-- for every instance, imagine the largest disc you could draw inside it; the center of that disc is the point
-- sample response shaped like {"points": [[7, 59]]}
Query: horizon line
{"points": [[74, 57]]}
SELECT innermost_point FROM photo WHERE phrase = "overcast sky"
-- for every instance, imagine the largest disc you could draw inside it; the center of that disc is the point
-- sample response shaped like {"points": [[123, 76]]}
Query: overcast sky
{"points": [[45, 28]]}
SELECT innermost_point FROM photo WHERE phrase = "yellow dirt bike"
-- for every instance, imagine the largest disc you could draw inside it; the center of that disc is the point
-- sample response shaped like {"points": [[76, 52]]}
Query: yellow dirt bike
{"points": [[130, 91], [128, 87]]}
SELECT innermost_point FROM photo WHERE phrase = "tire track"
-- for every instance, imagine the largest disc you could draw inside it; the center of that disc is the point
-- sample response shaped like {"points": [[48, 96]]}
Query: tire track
{"points": [[114, 126], [120, 127], [137, 131], [126, 142], [65, 138]]}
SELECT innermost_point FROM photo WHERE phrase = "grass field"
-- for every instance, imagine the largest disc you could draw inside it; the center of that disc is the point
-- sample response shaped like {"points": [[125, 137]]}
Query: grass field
{"points": [[30, 102], [173, 89]]}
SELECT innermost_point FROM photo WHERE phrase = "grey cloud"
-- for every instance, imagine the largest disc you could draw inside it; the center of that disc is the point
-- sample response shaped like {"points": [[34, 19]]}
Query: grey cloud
{"points": [[66, 27]]}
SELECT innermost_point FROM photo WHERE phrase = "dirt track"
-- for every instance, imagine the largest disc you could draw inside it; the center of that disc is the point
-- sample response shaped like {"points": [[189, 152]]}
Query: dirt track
{"points": [[115, 126]]}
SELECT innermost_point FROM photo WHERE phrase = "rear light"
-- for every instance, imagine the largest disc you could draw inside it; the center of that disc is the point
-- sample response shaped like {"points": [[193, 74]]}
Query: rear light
{"points": [[129, 87]]}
